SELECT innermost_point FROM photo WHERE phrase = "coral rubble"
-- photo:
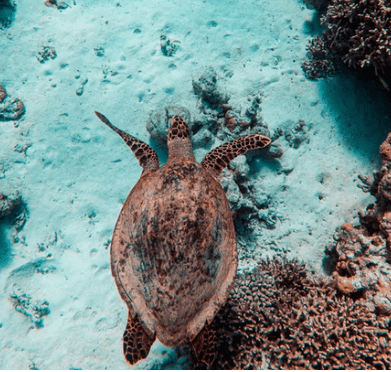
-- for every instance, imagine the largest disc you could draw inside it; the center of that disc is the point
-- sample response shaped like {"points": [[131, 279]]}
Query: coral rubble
{"points": [[8, 204], [13, 212], [297, 134], [361, 254], [47, 52], [33, 309], [281, 317], [10, 109], [222, 119], [357, 34], [56, 4], [167, 46]]}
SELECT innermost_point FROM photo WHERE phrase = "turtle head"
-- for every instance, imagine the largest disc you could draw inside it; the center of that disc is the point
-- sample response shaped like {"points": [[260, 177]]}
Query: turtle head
{"points": [[179, 142]]}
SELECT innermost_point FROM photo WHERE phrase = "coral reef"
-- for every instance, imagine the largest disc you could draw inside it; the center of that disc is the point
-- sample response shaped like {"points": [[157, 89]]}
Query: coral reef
{"points": [[296, 133], [357, 34], [319, 5], [250, 204], [319, 63], [8, 204], [13, 214], [13, 211], [360, 255], [281, 317], [33, 309], [56, 4], [7, 13], [46, 53], [224, 121], [219, 119], [205, 88], [10, 109], [168, 47]]}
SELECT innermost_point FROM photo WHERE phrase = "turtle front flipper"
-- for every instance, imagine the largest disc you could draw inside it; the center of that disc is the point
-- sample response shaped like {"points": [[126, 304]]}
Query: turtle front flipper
{"points": [[136, 341], [145, 154], [204, 344], [217, 159]]}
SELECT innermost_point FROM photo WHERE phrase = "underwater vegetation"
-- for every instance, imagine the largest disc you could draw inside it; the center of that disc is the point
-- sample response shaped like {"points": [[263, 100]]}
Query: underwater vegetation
{"points": [[357, 34]]}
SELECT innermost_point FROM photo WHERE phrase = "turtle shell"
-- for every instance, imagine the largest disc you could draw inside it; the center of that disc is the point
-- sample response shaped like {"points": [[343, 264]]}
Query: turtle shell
{"points": [[173, 252]]}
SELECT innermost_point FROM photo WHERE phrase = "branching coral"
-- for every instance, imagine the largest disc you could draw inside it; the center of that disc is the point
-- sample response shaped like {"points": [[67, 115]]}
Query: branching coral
{"points": [[361, 253], [319, 64], [281, 317], [358, 34]]}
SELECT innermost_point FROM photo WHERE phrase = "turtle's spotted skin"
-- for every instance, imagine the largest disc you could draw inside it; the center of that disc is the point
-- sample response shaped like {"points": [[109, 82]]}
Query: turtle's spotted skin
{"points": [[136, 342], [216, 160], [173, 252]]}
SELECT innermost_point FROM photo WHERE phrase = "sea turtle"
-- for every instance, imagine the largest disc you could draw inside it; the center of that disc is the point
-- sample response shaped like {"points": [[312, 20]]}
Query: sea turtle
{"points": [[173, 251]]}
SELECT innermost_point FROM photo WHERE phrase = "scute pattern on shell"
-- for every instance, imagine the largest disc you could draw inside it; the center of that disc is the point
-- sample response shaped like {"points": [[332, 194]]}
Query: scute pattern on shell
{"points": [[174, 245]]}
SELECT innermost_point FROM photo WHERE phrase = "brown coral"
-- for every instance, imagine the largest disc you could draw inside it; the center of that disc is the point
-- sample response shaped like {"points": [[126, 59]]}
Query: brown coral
{"points": [[361, 253], [230, 121], [361, 265], [319, 63], [281, 317], [358, 35]]}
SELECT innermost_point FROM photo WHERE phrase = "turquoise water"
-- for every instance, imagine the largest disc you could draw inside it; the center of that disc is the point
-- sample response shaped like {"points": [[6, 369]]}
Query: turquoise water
{"points": [[65, 175]]}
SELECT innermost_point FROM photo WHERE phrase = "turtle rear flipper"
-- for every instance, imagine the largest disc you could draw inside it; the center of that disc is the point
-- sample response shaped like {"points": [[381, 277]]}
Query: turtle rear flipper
{"points": [[217, 159], [136, 341], [204, 344]]}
